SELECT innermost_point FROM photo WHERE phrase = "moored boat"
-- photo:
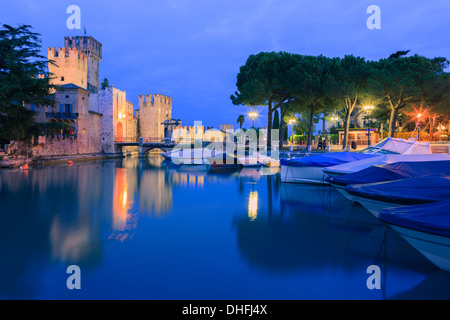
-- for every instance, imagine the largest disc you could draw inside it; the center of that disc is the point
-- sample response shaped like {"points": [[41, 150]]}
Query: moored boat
{"points": [[390, 172], [356, 166], [310, 169], [420, 190], [426, 228]]}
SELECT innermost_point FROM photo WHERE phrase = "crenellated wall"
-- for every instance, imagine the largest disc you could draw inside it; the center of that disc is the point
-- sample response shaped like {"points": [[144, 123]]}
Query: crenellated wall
{"points": [[153, 111], [70, 66]]}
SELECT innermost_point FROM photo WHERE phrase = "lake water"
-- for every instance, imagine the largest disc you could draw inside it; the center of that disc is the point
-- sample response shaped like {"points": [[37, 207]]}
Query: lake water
{"points": [[143, 229]]}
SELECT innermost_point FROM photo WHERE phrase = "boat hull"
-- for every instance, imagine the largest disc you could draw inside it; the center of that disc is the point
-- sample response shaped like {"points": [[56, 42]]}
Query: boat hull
{"points": [[373, 206], [435, 248], [314, 175]]}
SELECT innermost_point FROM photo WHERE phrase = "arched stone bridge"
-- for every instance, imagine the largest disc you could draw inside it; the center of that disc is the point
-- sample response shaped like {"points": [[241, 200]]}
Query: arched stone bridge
{"points": [[148, 144]]}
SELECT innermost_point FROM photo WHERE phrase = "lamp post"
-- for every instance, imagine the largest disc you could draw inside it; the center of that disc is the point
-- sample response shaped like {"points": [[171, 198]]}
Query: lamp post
{"points": [[253, 115], [419, 124], [368, 110]]}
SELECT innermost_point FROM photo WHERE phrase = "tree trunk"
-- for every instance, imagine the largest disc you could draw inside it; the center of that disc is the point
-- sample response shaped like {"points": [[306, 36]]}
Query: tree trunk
{"points": [[346, 127], [355, 117], [269, 126], [311, 125], [393, 121], [432, 124], [282, 123], [323, 124]]}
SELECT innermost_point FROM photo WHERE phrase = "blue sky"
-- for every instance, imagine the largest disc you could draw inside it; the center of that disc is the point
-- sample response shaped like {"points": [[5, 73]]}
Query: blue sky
{"points": [[191, 50]]}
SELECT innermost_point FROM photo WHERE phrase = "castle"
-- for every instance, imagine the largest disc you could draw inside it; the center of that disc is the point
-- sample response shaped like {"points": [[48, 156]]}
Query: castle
{"points": [[95, 118]]}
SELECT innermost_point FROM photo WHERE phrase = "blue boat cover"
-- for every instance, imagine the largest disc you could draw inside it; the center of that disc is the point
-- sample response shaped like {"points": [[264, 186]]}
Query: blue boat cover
{"points": [[420, 190], [432, 218], [326, 160], [393, 171]]}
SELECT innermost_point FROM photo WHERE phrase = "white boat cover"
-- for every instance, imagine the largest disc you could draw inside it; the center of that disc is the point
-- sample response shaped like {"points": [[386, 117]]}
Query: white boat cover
{"points": [[399, 146], [359, 165]]}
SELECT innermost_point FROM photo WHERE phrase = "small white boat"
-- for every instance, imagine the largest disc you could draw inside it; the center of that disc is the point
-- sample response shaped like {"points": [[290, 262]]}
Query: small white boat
{"points": [[192, 156], [267, 161], [426, 228]]}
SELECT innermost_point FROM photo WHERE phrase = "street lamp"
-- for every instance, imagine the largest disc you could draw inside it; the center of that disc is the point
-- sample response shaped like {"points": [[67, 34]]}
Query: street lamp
{"points": [[418, 125], [368, 110], [253, 115]]}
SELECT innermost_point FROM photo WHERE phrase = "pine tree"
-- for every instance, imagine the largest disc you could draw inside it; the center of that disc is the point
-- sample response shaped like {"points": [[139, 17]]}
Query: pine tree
{"points": [[23, 79]]}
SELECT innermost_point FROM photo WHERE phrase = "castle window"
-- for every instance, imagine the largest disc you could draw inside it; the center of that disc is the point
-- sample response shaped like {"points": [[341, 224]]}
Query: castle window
{"points": [[62, 78], [65, 108], [67, 97]]}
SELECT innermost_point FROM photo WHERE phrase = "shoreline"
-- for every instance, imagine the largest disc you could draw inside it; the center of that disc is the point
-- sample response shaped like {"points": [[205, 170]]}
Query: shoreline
{"points": [[16, 163]]}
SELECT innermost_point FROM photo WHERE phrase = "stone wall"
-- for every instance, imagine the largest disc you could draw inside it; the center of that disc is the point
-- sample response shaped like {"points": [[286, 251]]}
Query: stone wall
{"points": [[88, 141]]}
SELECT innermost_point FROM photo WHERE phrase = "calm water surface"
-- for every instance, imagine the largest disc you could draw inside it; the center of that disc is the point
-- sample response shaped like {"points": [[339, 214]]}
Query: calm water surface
{"points": [[142, 229]]}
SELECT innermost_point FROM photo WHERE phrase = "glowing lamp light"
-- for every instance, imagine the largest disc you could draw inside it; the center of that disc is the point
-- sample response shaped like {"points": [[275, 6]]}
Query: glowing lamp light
{"points": [[292, 121], [368, 108], [253, 115]]}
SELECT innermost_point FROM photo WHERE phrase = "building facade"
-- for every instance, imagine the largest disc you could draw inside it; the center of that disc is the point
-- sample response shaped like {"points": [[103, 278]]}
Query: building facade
{"points": [[95, 119], [153, 111]]}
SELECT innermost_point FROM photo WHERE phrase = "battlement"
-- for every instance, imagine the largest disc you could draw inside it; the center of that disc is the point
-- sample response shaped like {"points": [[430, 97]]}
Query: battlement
{"points": [[63, 54], [86, 44], [154, 100]]}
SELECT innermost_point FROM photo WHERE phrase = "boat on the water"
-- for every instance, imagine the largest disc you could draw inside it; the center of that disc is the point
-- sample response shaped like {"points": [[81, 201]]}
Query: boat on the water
{"points": [[425, 227], [390, 172], [356, 166], [376, 197], [311, 169], [192, 156]]}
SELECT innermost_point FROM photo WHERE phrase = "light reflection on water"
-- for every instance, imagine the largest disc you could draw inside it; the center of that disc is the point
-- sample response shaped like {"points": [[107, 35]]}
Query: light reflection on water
{"points": [[144, 228]]}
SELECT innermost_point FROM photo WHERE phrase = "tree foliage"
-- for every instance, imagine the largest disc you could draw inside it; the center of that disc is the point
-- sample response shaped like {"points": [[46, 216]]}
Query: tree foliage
{"points": [[404, 81], [241, 120], [23, 80], [311, 85]]}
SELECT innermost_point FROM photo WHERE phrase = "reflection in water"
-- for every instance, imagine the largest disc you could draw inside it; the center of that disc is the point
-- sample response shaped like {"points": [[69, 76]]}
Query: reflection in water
{"points": [[145, 217], [253, 205]]}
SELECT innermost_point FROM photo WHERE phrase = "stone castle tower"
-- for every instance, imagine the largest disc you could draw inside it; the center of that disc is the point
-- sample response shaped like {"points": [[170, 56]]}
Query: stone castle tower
{"points": [[70, 66], [77, 63], [153, 111], [93, 50]]}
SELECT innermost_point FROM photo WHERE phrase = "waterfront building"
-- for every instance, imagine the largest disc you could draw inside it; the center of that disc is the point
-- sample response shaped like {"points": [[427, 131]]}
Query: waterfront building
{"points": [[96, 118], [153, 111]]}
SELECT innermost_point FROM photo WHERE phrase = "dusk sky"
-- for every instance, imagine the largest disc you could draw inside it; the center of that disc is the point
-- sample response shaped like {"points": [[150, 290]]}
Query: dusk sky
{"points": [[191, 50]]}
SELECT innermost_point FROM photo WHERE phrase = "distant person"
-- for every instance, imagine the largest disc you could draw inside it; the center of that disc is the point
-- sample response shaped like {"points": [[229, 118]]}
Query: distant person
{"points": [[319, 145], [324, 145]]}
